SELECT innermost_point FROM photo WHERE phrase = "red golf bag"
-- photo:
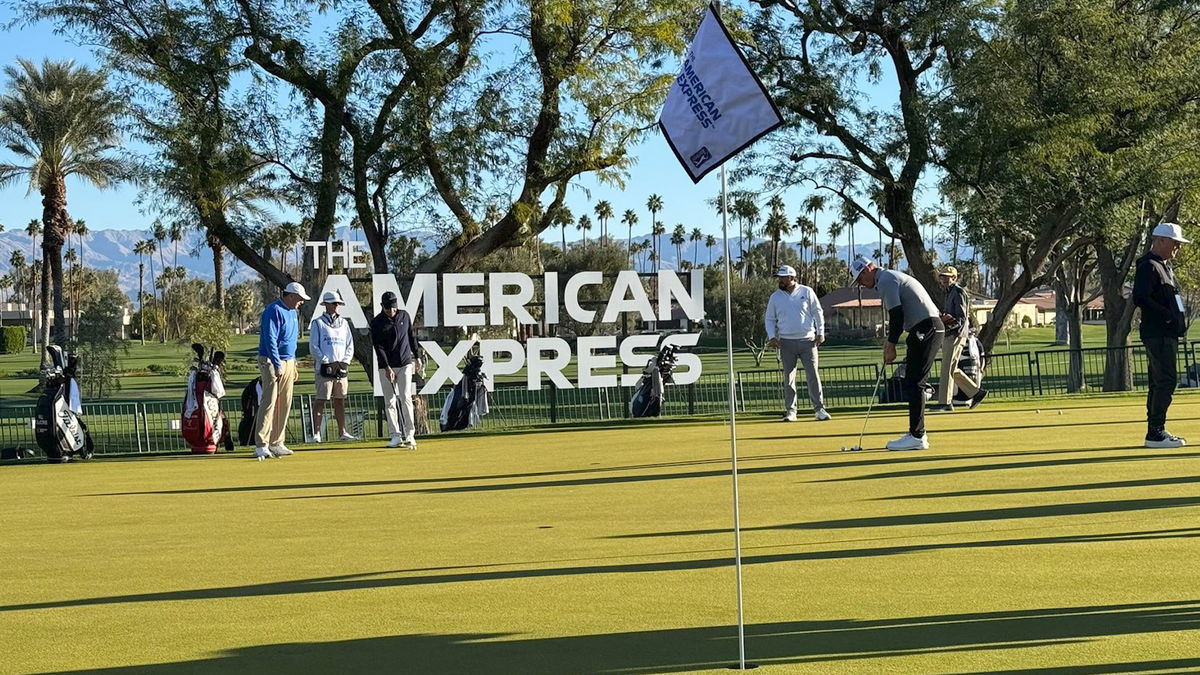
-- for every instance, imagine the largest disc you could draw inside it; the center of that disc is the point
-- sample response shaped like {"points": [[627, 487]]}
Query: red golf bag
{"points": [[203, 424]]}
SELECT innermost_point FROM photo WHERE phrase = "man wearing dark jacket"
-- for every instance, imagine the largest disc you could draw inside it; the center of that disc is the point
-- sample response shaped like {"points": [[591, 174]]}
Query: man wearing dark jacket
{"points": [[1163, 324], [395, 356]]}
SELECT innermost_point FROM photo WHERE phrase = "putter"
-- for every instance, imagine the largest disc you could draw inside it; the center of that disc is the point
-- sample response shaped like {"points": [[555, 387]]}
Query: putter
{"points": [[871, 404]]}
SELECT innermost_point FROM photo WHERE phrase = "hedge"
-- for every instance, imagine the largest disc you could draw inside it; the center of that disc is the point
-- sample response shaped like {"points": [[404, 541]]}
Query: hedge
{"points": [[12, 339]]}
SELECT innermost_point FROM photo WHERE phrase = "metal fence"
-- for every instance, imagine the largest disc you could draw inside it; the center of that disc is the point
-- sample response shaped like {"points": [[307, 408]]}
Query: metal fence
{"points": [[153, 427]]}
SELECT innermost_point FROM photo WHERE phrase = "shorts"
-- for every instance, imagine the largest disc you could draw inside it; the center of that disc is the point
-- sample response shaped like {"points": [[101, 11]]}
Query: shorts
{"points": [[328, 387]]}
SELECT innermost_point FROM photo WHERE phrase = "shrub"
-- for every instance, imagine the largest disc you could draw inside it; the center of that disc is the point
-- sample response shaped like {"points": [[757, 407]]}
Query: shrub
{"points": [[12, 339], [167, 369]]}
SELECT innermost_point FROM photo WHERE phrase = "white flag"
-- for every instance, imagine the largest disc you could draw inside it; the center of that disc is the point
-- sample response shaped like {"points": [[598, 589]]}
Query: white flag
{"points": [[716, 107]]}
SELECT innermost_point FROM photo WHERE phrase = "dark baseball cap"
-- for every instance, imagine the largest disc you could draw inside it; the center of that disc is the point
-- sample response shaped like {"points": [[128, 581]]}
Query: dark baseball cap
{"points": [[389, 300]]}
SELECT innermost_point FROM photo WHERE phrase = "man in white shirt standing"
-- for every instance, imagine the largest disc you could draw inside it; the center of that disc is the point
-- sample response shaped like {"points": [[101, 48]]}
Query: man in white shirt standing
{"points": [[332, 348], [796, 327]]}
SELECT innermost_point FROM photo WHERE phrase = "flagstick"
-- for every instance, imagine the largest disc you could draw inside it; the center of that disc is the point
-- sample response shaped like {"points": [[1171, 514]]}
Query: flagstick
{"points": [[737, 521]]}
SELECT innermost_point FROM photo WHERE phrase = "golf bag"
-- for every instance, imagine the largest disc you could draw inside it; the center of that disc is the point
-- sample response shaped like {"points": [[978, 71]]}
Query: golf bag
{"points": [[893, 387], [648, 395], [971, 363], [251, 395], [467, 402], [58, 424], [203, 424]]}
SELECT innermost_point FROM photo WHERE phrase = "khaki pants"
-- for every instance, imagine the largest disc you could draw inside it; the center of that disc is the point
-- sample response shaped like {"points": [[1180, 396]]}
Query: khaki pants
{"points": [[399, 417], [276, 403], [806, 352], [952, 376]]}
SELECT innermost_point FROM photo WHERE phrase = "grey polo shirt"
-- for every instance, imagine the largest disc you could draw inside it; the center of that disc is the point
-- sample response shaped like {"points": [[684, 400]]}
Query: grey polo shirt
{"points": [[900, 290]]}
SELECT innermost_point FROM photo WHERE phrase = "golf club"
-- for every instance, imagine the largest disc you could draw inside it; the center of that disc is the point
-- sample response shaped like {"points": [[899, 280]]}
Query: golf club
{"points": [[871, 404]]}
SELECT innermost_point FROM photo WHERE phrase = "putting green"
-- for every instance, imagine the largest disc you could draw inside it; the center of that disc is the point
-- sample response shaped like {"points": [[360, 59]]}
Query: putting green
{"points": [[1020, 543]]}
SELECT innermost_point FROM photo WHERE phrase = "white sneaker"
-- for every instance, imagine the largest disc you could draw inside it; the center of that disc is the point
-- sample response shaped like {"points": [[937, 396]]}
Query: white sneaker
{"points": [[909, 442], [347, 437], [821, 415], [316, 438], [395, 442], [789, 416], [410, 444], [261, 453], [279, 450]]}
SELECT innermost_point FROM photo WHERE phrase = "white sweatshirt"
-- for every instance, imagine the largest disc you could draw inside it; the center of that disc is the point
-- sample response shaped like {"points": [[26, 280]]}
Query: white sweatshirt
{"points": [[330, 343], [796, 315]]}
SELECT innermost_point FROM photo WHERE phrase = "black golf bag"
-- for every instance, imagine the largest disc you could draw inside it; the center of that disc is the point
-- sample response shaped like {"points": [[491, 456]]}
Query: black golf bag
{"points": [[648, 395], [203, 424], [467, 402], [893, 387], [58, 425], [251, 395]]}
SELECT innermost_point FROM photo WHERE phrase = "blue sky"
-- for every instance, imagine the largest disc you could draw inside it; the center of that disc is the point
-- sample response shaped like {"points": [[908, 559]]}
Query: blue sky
{"points": [[656, 171]]}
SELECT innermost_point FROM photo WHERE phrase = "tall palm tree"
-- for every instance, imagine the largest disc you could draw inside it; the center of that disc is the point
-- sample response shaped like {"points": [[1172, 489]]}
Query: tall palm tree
{"points": [[141, 249], [81, 231], [604, 212], [696, 237], [746, 211], [34, 230], [59, 119], [709, 242], [175, 233], [562, 218], [654, 204], [777, 227], [813, 204], [585, 224], [678, 237], [659, 230], [629, 219]]}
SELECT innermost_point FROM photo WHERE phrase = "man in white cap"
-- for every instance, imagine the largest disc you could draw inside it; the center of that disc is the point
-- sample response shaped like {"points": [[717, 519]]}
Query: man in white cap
{"points": [[1163, 324], [279, 330], [331, 344], [909, 308], [796, 327]]}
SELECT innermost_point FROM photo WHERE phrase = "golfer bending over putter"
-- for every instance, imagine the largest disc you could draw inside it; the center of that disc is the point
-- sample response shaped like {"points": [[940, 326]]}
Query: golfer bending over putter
{"points": [[909, 309]]}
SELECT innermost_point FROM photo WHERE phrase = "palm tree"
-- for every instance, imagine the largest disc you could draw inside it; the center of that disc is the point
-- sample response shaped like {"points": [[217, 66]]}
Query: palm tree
{"points": [[659, 230], [696, 237], [60, 119], [16, 266], [709, 242], [562, 218], [813, 205], [678, 237], [81, 231], [142, 249], [630, 219], [33, 229], [585, 224], [72, 260], [603, 211], [654, 204], [776, 227], [746, 211], [175, 233]]}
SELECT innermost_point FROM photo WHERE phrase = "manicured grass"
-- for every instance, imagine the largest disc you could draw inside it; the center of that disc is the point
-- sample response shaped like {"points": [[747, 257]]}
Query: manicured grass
{"points": [[1023, 542]]}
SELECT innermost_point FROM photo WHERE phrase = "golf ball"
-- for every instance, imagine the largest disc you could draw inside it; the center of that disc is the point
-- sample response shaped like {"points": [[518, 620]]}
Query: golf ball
{"points": [[1059, 412], [1038, 412]]}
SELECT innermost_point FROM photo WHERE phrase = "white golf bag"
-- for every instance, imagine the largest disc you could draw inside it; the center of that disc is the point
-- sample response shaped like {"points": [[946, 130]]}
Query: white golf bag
{"points": [[58, 424]]}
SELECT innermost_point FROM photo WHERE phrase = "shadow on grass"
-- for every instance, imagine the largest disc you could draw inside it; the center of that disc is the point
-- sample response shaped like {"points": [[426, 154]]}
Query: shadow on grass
{"points": [[1077, 461], [971, 516], [683, 650], [520, 570], [1109, 485]]}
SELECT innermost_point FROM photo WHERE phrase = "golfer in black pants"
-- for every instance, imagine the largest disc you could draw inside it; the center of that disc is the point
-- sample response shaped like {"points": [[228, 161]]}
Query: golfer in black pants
{"points": [[1163, 324], [909, 308]]}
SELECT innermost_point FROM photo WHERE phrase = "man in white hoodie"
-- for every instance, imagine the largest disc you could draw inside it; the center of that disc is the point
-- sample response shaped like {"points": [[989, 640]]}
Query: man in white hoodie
{"points": [[332, 348], [796, 327]]}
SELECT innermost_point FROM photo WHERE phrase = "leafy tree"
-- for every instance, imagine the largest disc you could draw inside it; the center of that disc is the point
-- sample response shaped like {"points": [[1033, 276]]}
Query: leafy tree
{"points": [[60, 119], [604, 256], [98, 343]]}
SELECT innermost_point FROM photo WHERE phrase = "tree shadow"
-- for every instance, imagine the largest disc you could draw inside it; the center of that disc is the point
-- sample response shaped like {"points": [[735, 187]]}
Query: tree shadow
{"points": [[1109, 485], [1077, 461], [683, 650], [944, 517], [498, 571]]}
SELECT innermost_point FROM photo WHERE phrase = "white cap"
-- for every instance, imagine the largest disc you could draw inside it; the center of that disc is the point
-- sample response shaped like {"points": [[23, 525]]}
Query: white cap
{"points": [[786, 271], [856, 268], [296, 288], [332, 297], [1170, 231]]}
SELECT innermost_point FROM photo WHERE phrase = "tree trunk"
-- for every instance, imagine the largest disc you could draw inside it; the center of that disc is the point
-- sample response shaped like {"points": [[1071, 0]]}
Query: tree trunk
{"points": [[218, 253], [56, 224], [44, 310], [142, 300]]}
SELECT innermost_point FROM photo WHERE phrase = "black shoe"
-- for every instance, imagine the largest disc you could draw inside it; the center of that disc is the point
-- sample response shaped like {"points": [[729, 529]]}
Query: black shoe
{"points": [[1161, 438], [978, 399]]}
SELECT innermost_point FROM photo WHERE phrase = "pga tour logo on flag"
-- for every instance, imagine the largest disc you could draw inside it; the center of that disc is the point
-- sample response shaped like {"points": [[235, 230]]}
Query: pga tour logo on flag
{"points": [[716, 106]]}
